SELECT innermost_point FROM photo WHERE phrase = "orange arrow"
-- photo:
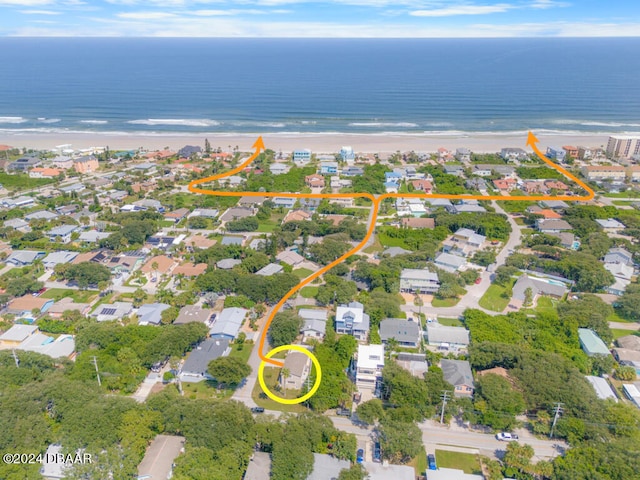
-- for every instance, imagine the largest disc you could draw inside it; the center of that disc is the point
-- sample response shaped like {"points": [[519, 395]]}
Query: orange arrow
{"points": [[258, 145]]}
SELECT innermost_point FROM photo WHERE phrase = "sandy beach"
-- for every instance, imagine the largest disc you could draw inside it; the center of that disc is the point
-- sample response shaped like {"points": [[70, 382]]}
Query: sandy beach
{"points": [[286, 142]]}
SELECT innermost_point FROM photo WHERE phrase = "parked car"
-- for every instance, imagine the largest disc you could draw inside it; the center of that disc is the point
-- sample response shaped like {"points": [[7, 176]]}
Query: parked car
{"points": [[478, 280], [506, 437], [257, 410], [431, 461], [360, 456], [39, 292], [377, 453], [343, 412]]}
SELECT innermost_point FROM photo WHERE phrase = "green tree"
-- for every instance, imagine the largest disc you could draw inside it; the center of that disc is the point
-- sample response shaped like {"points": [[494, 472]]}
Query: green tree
{"points": [[228, 370], [400, 442], [285, 327], [371, 411]]}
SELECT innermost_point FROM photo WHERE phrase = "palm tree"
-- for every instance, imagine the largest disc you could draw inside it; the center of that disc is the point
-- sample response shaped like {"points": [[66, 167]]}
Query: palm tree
{"points": [[286, 373]]}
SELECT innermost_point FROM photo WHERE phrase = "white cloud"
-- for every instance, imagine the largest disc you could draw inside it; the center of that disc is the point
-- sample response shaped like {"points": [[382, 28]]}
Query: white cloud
{"points": [[462, 10], [221, 13], [145, 15], [39, 12], [24, 3], [544, 4]]}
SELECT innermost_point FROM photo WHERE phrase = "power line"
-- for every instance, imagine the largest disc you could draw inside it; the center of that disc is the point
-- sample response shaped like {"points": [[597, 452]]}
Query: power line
{"points": [[558, 411], [444, 397], [95, 363]]}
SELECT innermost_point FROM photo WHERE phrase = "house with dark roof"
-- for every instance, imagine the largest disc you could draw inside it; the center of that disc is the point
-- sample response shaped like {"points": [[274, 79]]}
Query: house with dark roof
{"points": [[458, 373], [195, 366], [405, 332], [299, 366], [151, 313]]}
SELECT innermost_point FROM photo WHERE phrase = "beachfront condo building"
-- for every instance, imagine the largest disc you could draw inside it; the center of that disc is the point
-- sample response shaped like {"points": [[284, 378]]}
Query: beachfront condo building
{"points": [[623, 147]]}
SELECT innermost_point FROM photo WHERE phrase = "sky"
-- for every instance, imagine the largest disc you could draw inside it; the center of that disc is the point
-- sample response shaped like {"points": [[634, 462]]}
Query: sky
{"points": [[320, 18]]}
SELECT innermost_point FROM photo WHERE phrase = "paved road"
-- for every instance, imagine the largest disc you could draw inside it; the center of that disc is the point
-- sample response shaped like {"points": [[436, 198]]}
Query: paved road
{"points": [[624, 326], [435, 436]]}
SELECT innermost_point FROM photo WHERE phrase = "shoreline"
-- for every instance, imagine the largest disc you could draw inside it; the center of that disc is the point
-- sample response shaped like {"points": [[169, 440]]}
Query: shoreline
{"points": [[330, 142]]}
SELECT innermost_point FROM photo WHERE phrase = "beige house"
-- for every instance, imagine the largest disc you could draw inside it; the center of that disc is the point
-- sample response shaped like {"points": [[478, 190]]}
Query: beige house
{"points": [[86, 164], [605, 172], [299, 366]]}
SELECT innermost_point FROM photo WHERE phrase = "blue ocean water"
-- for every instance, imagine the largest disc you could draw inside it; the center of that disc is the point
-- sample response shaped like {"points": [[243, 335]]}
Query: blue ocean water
{"points": [[417, 86]]}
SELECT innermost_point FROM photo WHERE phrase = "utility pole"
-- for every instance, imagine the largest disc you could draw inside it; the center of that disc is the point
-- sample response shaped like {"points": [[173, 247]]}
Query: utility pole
{"points": [[95, 363], [555, 417], [444, 397], [15, 358]]}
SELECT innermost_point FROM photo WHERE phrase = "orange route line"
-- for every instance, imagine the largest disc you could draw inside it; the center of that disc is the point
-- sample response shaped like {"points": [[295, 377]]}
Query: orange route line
{"points": [[532, 140]]}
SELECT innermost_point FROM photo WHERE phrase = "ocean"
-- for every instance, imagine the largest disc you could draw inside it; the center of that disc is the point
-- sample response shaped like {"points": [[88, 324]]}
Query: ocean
{"points": [[413, 87]]}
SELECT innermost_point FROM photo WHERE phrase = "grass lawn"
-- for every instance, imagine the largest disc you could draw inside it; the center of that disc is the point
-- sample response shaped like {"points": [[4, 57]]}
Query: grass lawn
{"points": [[244, 353], [621, 203], [631, 194], [308, 292], [467, 462], [620, 332], [493, 300], [266, 227], [388, 241], [302, 273], [375, 247], [419, 463], [614, 317], [271, 379], [78, 296], [204, 389], [450, 322], [21, 181], [444, 302]]}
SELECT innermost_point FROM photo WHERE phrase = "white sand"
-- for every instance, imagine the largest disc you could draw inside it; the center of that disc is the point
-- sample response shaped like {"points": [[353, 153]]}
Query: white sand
{"points": [[321, 143]]}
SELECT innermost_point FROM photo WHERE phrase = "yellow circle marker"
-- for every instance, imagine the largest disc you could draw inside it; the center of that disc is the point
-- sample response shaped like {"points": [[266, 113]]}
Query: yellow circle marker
{"points": [[290, 401]]}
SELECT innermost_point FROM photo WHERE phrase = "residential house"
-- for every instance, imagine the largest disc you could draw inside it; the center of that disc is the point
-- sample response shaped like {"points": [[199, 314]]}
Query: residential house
{"points": [[464, 242], [108, 312], [448, 262], [124, 263], [553, 226], [315, 323], [556, 185], [74, 188], [159, 458], [23, 164], [19, 202], [290, 258], [199, 242], [62, 161], [22, 258], [619, 255], [571, 151], [326, 467], [18, 224], [610, 225], [470, 206], [351, 319], [67, 304], [228, 323], [17, 334], [40, 215], [418, 281], [151, 313], [505, 184], [190, 270], [602, 388], [463, 155], [93, 236], [635, 173], [422, 185], [189, 150], [538, 287], [194, 313], [25, 305], [163, 265], [599, 173], [405, 332], [227, 263], [555, 153], [279, 168], [447, 338], [86, 164], [61, 234], [204, 213], [176, 215], [270, 269], [476, 184], [629, 342], [352, 171], [482, 170], [284, 202], [622, 274], [347, 154], [369, 365], [385, 471], [591, 342], [58, 258], [299, 366], [328, 168], [301, 157], [251, 201], [567, 240], [532, 187], [150, 204], [458, 373], [296, 216], [314, 181], [513, 154], [628, 358], [42, 172], [196, 365]]}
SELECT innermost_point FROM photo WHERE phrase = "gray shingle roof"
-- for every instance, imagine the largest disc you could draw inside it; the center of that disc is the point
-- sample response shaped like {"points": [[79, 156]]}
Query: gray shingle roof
{"points": [[402, 330]]}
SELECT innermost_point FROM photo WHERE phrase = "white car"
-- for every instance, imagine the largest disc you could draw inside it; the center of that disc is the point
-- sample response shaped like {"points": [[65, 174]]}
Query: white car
{"points": [[506, 437]]}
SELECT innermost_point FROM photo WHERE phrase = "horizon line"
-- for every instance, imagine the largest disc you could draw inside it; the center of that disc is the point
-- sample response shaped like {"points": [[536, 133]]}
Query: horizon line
{"points": [[500, 37]]}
